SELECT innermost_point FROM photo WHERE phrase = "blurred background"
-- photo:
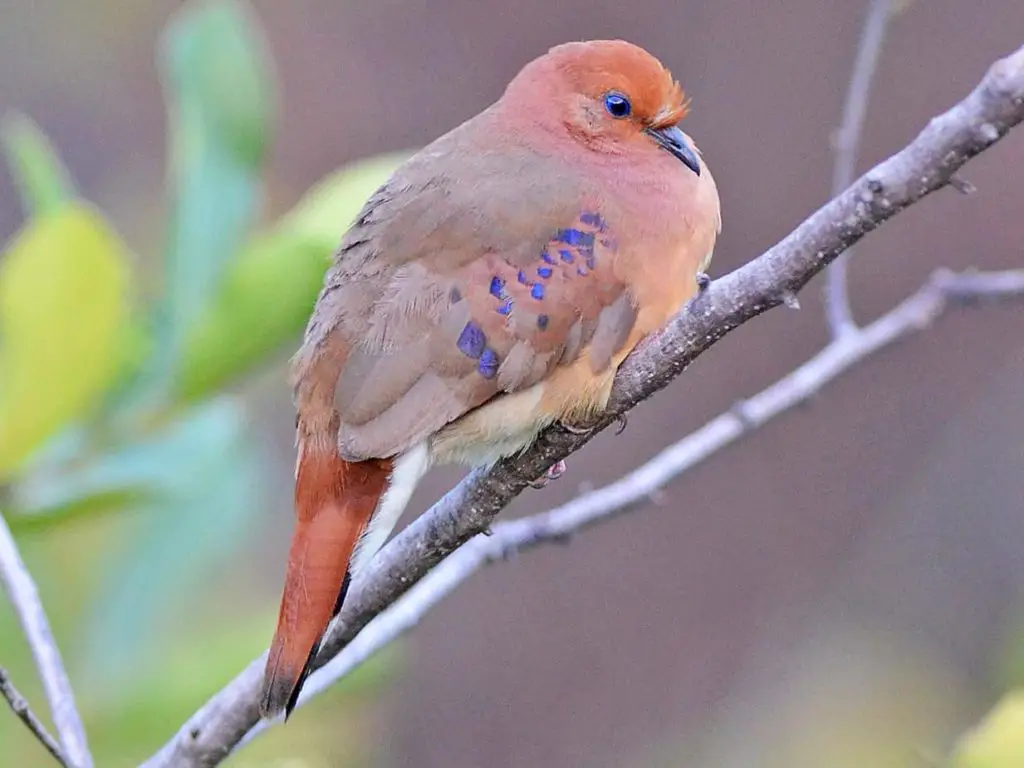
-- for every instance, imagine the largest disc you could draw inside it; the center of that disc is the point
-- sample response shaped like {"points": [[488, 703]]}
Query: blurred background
{"points": [[843, 588]]}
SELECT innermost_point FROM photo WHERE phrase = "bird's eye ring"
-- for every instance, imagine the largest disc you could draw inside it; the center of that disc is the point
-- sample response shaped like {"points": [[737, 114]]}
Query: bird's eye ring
{"points": [[618, 106]]}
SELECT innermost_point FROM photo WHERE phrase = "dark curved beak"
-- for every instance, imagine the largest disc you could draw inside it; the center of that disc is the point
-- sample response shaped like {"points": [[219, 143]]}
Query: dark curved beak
{"points": [[672, 140]]}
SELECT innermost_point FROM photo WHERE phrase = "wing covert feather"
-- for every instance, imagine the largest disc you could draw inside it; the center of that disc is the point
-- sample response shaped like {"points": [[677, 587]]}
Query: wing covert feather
{"points": [[430, 339]]}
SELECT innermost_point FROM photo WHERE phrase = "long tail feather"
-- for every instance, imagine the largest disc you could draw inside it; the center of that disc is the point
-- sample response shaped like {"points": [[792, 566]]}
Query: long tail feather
{"points": [[334, 501]]}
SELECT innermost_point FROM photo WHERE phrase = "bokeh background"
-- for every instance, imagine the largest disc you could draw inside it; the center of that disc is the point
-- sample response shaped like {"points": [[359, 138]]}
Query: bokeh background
{"points": [[843, 588]]}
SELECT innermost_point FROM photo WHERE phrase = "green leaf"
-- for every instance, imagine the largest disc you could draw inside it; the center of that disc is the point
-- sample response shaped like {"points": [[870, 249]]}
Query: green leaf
{"points": [[41, 178], [64, 487], [270, 289], [216, 69], [73, 507], [264, 302], [63, 309], [220, 91], [203, 478]]}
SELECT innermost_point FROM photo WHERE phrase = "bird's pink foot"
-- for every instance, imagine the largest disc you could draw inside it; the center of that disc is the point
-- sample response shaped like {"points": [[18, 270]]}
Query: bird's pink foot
{"points": [[554, 472]]}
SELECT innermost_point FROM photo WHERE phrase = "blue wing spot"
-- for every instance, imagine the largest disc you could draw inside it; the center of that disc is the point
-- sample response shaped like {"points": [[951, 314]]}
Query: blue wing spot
{"points": [[505, 307], [488, 365], [542, 322], [472, 340], [544, 272], [521, 277], [566, 255], [497, 287], [592, 219], [575, 237], [537, 291], [547, 256]]}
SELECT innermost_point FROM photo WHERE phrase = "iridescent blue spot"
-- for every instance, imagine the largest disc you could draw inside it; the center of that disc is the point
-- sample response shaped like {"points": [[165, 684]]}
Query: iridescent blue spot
{"points": [[505, 307], [591, 219], [547, 256], [542, 322], [566, 255], [488, 365], [537, 291], [497, 287], [472, 340], [544, 272], [575, 237], [522, 277]]}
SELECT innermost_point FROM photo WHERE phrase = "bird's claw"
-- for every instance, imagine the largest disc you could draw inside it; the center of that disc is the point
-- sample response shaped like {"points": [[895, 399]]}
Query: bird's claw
{"points": [[703, 283], [575, 429], [554, 472], [621, 422]]}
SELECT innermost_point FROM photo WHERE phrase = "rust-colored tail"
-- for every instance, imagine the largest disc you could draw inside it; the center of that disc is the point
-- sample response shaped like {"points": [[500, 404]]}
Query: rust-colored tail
{"points": [[334, 500]]}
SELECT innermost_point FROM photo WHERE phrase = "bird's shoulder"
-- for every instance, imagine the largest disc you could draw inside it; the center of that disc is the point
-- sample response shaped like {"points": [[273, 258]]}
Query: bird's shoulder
{"points": [[458, 199]]}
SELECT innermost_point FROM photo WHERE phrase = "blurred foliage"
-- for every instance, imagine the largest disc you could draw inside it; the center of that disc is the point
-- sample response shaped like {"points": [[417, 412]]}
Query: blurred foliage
{"points": [[126, 469], [118, 439], [220, 94], [998, 741], [63, 304], [44, 183], [281, 267]]}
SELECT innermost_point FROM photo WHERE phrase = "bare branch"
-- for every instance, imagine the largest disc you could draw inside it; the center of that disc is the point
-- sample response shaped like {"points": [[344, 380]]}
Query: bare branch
{"points": [[21, 708], [927, 164], [23, 596], [635, 490], [846, 143]]}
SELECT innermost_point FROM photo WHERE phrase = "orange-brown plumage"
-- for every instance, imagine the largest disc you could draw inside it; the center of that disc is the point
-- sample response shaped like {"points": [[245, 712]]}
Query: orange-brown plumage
{"points": [[491, 287]]}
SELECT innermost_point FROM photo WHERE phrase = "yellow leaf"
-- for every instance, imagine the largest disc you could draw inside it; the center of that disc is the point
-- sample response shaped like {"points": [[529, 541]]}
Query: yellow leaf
{"points": [[330, 207], [998, 741], [63, 312]]}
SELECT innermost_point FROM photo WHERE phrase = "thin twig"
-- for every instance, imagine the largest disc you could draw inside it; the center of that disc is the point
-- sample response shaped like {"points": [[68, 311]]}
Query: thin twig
{"points": [[989, 112], [635, 490], [846, 144], [24, 712], [24, 597]]}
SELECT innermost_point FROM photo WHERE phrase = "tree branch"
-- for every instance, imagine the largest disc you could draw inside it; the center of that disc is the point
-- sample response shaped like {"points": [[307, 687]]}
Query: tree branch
{"points": [[24, 712], [847, 140], [635, 490], [927, 164], [23, 596]]}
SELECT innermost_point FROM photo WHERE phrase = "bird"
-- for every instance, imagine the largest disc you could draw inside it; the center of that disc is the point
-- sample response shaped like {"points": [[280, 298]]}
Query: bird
{"points": [[488, 289]]}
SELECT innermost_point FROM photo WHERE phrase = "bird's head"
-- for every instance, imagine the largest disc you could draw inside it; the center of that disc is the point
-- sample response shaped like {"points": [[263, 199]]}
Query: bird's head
{"points": [[610, 95]]}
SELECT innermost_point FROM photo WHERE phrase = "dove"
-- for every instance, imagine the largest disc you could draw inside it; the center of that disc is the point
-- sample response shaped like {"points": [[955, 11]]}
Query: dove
{"points": [[490, 288]]}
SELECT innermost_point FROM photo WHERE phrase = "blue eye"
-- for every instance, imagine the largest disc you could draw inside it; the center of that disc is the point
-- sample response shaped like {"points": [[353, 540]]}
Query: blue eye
{"points": [[618, 106]]}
